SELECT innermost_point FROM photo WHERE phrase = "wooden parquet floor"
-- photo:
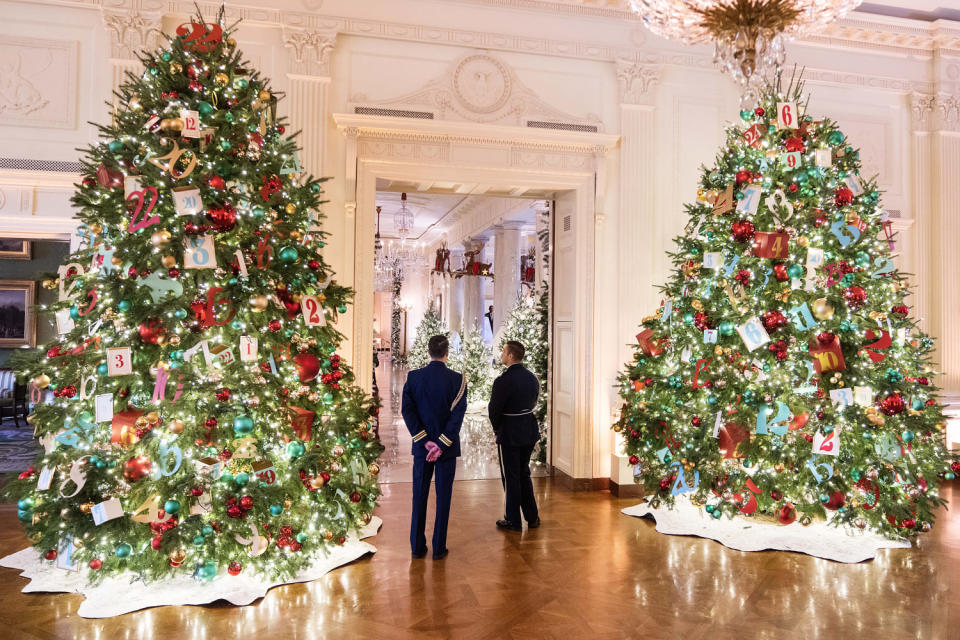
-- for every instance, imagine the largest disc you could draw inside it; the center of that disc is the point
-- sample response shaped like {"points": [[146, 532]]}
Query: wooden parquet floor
{"points": [[588, 572]]}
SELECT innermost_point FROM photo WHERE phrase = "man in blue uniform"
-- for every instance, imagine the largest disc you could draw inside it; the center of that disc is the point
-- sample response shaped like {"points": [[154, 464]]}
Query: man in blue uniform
{"points": [[434, 401], [512, 401]]}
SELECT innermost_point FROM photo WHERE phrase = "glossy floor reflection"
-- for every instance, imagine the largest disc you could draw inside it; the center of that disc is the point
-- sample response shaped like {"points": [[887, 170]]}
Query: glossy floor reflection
{"points": [[478, 449], [588, 572]]}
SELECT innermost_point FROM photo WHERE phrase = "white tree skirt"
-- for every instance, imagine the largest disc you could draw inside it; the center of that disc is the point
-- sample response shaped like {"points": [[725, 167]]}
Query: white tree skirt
{"points": [[818, 539], [125, 593]]}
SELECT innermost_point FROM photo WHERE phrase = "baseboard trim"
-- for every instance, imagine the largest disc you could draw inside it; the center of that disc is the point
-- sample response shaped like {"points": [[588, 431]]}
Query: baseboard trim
{"points": [[631, 490], [580, 484]]}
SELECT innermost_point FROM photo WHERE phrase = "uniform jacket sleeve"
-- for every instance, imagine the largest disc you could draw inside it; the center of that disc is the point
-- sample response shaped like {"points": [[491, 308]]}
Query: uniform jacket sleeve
{"points": [[411, 418], [451, 430], [498, 398]]}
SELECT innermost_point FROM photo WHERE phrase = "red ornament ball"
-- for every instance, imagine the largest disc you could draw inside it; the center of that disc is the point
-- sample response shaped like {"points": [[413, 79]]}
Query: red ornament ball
{"points": [[843, 196], [900, 310], [136, 468], [794, 143], [314, 264], [742, 230], [275, 325], [773, 320], [855, 296], [224, 218], [174, 273], [787, 513], [776, 495], [825, 337], [217, 182], [837, 500], [150, 330], [281, 128], [634, 460], [743, 176], [210, 423], [132, 272], [780, 272], [156, 542], [223, 394], [196, 492], [51, 555], [234, 511], [234, 568], [295, 546], [356, 497], [246, 503], [696, 421], [793, 188], [892, 404], [308, 366], [759, 111], [95, 564], [908, 523]]}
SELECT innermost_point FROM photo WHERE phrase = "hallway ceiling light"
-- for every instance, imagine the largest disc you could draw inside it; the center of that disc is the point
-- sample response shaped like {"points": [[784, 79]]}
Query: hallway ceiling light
{"points": [[403, 219], [749, 35]]}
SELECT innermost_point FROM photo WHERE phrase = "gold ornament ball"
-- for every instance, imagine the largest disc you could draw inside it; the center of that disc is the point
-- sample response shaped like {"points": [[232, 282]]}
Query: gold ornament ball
{"points": [[177, 556], [169, 262], [49, 284], [779, 468], [176, 427], [142, 421], [317, 482], [373, 468], [175, 67], [221, 79], [287, 503], [135, 103], [334, 467], [231, 42], [42, 381], [160, 238], [290, 208], [152, 417], [86, 507], [338, 451], [259, 303], [264, 95], [176, 124], [327, 535], [96, 228], [822, 310], [116, 261], [806, 521], [174, 340], [802, 241], [366, 518]]}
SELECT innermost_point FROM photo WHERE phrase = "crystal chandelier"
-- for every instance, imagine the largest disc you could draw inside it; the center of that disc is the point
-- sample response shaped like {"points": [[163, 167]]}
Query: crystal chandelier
{"points": [[749, 34], [403, 219]]}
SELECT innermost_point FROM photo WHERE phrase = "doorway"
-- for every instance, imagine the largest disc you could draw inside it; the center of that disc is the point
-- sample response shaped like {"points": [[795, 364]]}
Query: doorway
{"points": [[564, 167]]}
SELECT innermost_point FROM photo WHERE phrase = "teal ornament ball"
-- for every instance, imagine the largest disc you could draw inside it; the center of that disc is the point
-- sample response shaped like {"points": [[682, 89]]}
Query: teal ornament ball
{"points": [[802, 178], [863, 259], [242, 479], [24, 516], [115, 146], [709, 508], [716, 514], [276, 509], [240, 83], [180, 314], [855, 474], [225, 145], [153, 71], [917, 404], [100, 464], [711, 399], [167, 56], [342, 308], [327, 397], [171, 506], [289, 254], [948, 476], [907, 436], [746, 115], [205, 108], [242, 425], [688, 319], [325, 364], [259, 213], [836, 137], [25, 504], [75, 312], [727, 328], [226, 477], [847, 280], [123, 306], [198, 540], [295, 449], [102, 369], [228, 117], [795, 271], [123, 550], [236, 324], [301, 537], [207, 531], [315, 188]]}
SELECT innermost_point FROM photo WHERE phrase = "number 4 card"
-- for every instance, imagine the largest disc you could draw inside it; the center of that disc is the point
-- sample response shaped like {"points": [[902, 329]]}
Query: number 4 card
{"points": [[312, 312], [119, 361]]}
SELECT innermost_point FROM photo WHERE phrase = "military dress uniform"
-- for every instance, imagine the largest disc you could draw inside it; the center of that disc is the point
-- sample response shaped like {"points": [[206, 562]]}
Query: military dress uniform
{"points": [[512, 401], [434, 402]]}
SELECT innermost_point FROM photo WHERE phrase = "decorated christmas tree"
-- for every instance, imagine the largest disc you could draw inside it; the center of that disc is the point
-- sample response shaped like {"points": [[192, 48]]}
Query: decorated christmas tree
{"points": [[783, 375], [431, 325], [475, 360], [526, 323], [202, 420]]}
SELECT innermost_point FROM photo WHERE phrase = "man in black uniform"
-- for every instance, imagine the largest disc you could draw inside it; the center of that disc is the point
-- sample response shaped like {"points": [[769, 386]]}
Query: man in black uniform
{"points": [[512, 401], [434, 401]]}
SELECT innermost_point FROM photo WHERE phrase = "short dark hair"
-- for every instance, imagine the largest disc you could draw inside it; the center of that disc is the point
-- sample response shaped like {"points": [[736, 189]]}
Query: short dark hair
{"points": [[438, 346], [516, 349]]}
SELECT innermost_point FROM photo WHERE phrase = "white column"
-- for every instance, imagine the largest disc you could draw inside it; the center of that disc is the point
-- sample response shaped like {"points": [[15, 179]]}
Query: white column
{"points": [[456, 307], [945, 162], [308, 67], [506, 270]]}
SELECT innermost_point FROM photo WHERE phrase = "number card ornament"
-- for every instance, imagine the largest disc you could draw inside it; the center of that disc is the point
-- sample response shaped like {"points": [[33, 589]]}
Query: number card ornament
{"points": [[724, 202], [752, 136], [77, 476], [160, 287], [853, 183], [119, 361], [791, 160], [827, 356], [826, 444], [802, 317], [813, 465], [840, 229], [751, 199], [200, 38], [248, 349], [130, 185], [863, 396], [264, 471], [841, 398], [199, 253], [149, 511], [777, 203], [681, 486], [771, 245], [106, 510], [170, 166], [824, 158], [191, 123], [312, 310], [752, 491], [753, 334], [883, 342], [64, 274], [712, 260], [710, 336], [65, 550], [187, 201], [787, 115], [778, 424]]}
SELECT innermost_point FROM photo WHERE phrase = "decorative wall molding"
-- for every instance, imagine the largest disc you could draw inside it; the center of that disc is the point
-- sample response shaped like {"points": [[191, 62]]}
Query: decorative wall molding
{"points": [[38, 80], [948, 112], [935, 112], [635, 79], [921, 106], [479, 87], [131, 31], [310, 50]]}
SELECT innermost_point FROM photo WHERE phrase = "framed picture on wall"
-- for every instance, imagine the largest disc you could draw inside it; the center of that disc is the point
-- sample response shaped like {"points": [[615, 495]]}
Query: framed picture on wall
{"points": [[17, 325], [14, 249]]}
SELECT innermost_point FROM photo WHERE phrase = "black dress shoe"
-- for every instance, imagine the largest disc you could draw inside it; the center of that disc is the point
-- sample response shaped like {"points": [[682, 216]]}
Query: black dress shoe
{"points": [[420, 554], [534, 524], [506, 524], [441, 555]]}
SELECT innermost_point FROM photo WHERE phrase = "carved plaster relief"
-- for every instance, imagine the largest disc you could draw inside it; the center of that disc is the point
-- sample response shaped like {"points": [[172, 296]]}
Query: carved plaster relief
{"points": [[479, 87], [635, 79], [38, 80], [131, 31], [310, 50]]}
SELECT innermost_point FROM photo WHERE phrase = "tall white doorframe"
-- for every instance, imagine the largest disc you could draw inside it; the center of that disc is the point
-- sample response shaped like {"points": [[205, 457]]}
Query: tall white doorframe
{"points": [[435, 151]]}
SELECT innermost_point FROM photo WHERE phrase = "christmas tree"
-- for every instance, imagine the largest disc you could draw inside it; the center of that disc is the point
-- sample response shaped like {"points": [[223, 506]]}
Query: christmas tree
{"points": [[431, 325], [526, 323], [783, 375], [474, 360], [202, 420]]}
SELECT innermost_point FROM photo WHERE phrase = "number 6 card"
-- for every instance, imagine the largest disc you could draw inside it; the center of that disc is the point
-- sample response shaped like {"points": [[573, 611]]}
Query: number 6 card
{"points": [[119, 361]]}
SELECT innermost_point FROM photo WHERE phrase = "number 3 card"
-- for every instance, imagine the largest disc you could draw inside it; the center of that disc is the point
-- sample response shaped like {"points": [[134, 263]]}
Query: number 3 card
{"points": [[119, 361]]}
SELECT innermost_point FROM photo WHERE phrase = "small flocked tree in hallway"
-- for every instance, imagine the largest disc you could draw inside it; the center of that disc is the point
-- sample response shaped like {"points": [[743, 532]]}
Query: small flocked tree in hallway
{"points": [[430, 325], [203, 421], [784, 375], [475, 360], [527, 323]]}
